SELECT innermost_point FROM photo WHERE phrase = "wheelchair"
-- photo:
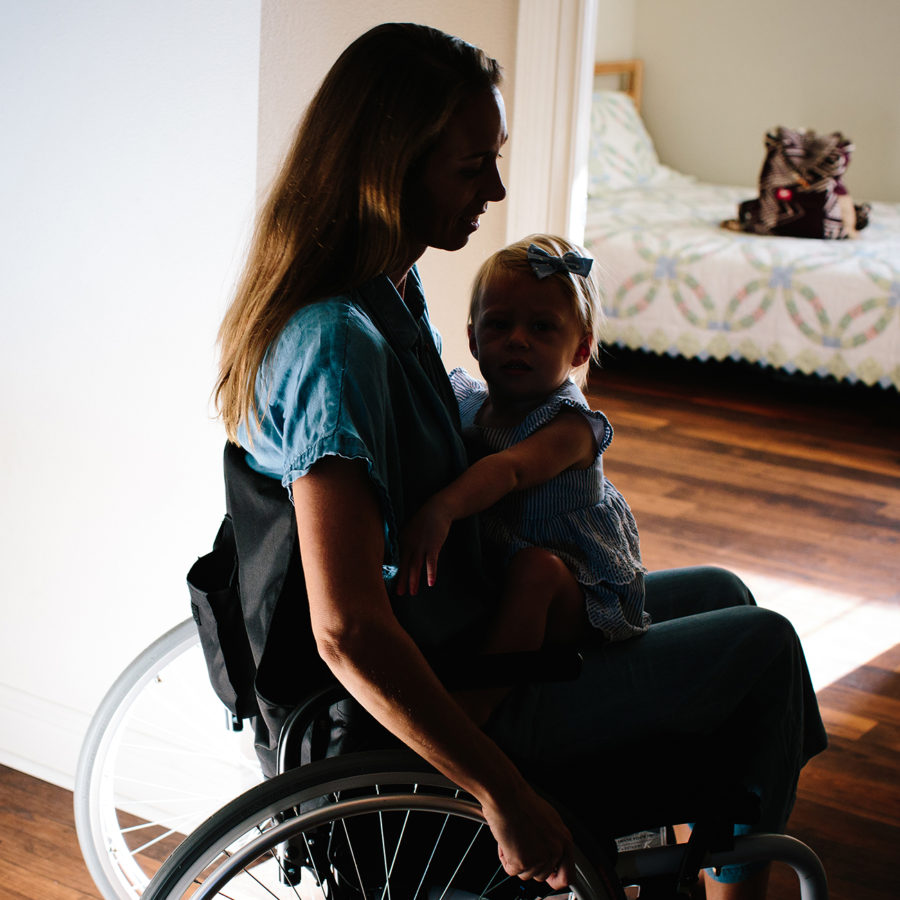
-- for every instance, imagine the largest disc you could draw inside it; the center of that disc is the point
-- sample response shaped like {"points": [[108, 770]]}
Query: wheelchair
{"points": [[377, 824], [156, 772]]}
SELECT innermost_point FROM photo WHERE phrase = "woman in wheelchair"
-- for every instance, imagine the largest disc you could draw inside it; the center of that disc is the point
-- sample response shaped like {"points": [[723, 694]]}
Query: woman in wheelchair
{"points": [[332, 383]]}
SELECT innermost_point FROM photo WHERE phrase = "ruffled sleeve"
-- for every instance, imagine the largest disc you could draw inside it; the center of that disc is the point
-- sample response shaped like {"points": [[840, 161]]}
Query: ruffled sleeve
{"points": [[470, 395], [567, 397], [318, 405]]}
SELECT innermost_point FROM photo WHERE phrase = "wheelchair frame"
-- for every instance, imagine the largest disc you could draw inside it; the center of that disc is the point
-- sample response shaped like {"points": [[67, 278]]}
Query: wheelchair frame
{"points": [[257, 834]]}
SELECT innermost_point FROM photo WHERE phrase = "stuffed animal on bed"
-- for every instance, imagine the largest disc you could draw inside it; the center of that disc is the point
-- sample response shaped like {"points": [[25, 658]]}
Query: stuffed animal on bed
{"points": [[801, 191]]}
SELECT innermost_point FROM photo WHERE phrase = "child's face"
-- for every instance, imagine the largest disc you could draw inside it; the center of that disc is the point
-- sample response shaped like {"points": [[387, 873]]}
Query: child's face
{"points": [[526, 338]]}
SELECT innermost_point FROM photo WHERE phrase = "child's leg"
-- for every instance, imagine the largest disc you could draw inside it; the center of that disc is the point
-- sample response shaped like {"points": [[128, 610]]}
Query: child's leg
{"points": [[541, 603]]}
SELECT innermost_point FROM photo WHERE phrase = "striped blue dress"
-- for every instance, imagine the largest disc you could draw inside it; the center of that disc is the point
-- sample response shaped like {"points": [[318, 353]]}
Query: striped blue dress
{"points": [[578, 515]]}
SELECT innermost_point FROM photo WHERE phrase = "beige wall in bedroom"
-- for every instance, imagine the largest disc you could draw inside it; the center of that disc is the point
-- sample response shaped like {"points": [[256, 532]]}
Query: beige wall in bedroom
{"points": [[615, 29], [295, 58], [719, 73]]}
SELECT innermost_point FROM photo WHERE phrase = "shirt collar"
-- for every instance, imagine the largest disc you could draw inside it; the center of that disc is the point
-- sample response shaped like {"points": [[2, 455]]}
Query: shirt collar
{"points": [[397, 317]]}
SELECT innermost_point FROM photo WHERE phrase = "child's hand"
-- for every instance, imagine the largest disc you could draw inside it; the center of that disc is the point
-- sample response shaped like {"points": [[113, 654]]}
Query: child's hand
{"points": [[420, 544]]}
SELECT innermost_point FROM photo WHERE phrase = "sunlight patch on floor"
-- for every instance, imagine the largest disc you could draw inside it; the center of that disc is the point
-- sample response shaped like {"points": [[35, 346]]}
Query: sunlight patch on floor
{"points": [[840, 632]]}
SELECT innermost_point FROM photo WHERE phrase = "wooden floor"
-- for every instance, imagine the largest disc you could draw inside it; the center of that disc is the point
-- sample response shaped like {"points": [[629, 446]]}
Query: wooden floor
{"points": [[795, 484]]}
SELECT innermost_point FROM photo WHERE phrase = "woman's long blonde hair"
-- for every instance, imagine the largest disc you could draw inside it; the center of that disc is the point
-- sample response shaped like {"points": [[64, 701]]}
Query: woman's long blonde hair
{"points": [[334, 218]]}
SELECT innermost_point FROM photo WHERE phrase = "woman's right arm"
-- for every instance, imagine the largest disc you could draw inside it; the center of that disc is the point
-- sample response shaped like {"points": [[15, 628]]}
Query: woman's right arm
{"points": [[342, 545]]}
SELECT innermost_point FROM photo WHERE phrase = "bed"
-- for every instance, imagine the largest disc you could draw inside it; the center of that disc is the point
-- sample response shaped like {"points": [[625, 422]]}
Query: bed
{"points": [[677, 283]]}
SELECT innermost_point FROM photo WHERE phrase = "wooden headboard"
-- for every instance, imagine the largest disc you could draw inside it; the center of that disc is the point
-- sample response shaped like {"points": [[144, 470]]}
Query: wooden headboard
{"points": [[631, 72]]}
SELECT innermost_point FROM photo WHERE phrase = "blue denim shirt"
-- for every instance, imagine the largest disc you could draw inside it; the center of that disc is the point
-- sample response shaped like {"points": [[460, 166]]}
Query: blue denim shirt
{"points": [[345, 379]]}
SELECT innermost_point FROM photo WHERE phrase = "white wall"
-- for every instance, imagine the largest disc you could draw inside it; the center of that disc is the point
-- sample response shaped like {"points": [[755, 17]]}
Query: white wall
{"points": [[295, 58], [720, 73], [128, 170]]}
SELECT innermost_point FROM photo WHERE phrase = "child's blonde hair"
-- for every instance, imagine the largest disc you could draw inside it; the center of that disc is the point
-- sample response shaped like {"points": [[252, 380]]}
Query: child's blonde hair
{"points": [[583, 291]]}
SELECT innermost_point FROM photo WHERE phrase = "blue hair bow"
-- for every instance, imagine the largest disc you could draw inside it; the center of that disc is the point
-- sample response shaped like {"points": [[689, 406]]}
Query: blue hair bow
{"points": [[543, 264]]}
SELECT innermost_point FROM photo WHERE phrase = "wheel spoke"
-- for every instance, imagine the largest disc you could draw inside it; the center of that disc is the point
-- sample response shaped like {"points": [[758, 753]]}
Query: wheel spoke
{"points": [[432, 855], [386, 827], [156, 840], [143, 826], [311, 857], [387, 874], [390, 869], [273, 855], [490, 886], [462, 860], [362, 887]]}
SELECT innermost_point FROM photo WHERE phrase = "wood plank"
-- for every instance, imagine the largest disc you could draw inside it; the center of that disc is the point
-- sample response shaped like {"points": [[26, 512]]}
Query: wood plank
{"points": [[859, 856], [21, 882], [861, 703], [696, 458], [49, 845], [873, 679], [839, 723], [889, 660], [886, 737], [39, 852]]}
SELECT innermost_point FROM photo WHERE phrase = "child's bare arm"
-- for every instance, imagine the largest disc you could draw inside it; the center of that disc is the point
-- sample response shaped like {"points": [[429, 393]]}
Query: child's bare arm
{"points": [[564, 443]]}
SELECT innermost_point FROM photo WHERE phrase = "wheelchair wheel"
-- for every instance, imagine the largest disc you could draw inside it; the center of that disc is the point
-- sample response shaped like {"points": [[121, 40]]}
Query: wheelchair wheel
{"points": [[156, 761], [356, 827]]}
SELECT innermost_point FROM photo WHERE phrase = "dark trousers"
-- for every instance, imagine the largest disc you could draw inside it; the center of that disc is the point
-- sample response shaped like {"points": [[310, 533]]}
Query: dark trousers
{"points": [[715, 695]]}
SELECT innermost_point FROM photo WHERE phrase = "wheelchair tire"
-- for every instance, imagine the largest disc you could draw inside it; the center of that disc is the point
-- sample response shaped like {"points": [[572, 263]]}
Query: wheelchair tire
{"points": [[357, 827], [160, 716]]}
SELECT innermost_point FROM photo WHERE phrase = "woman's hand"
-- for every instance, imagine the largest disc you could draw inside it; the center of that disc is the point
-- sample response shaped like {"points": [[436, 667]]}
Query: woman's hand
{"points": [[420, 545], [532, 840]]}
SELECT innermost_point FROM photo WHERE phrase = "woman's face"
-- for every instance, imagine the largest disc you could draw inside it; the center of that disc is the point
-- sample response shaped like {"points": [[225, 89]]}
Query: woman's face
{"points": [[459, 176]]}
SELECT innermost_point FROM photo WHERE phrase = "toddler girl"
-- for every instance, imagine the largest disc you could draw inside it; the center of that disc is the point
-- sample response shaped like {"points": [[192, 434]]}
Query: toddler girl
{"points": [[568, 536]]}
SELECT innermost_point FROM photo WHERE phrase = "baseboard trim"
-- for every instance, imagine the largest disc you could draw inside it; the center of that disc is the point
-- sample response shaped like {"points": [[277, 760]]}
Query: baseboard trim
{"points": [[40, 737]]}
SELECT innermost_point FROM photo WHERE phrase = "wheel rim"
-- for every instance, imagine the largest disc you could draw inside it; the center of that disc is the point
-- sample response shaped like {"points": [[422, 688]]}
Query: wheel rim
{"points": [[393, 840], [156, 761]]}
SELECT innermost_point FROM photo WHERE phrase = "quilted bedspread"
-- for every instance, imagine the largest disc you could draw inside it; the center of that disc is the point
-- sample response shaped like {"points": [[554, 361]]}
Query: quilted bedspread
{"points": [[676, 282]]}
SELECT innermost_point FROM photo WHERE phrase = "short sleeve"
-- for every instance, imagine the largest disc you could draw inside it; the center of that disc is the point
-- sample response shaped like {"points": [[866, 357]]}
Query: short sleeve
{"points": [[318, 404], [331, 407], [470, 395], [568, 397]]}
